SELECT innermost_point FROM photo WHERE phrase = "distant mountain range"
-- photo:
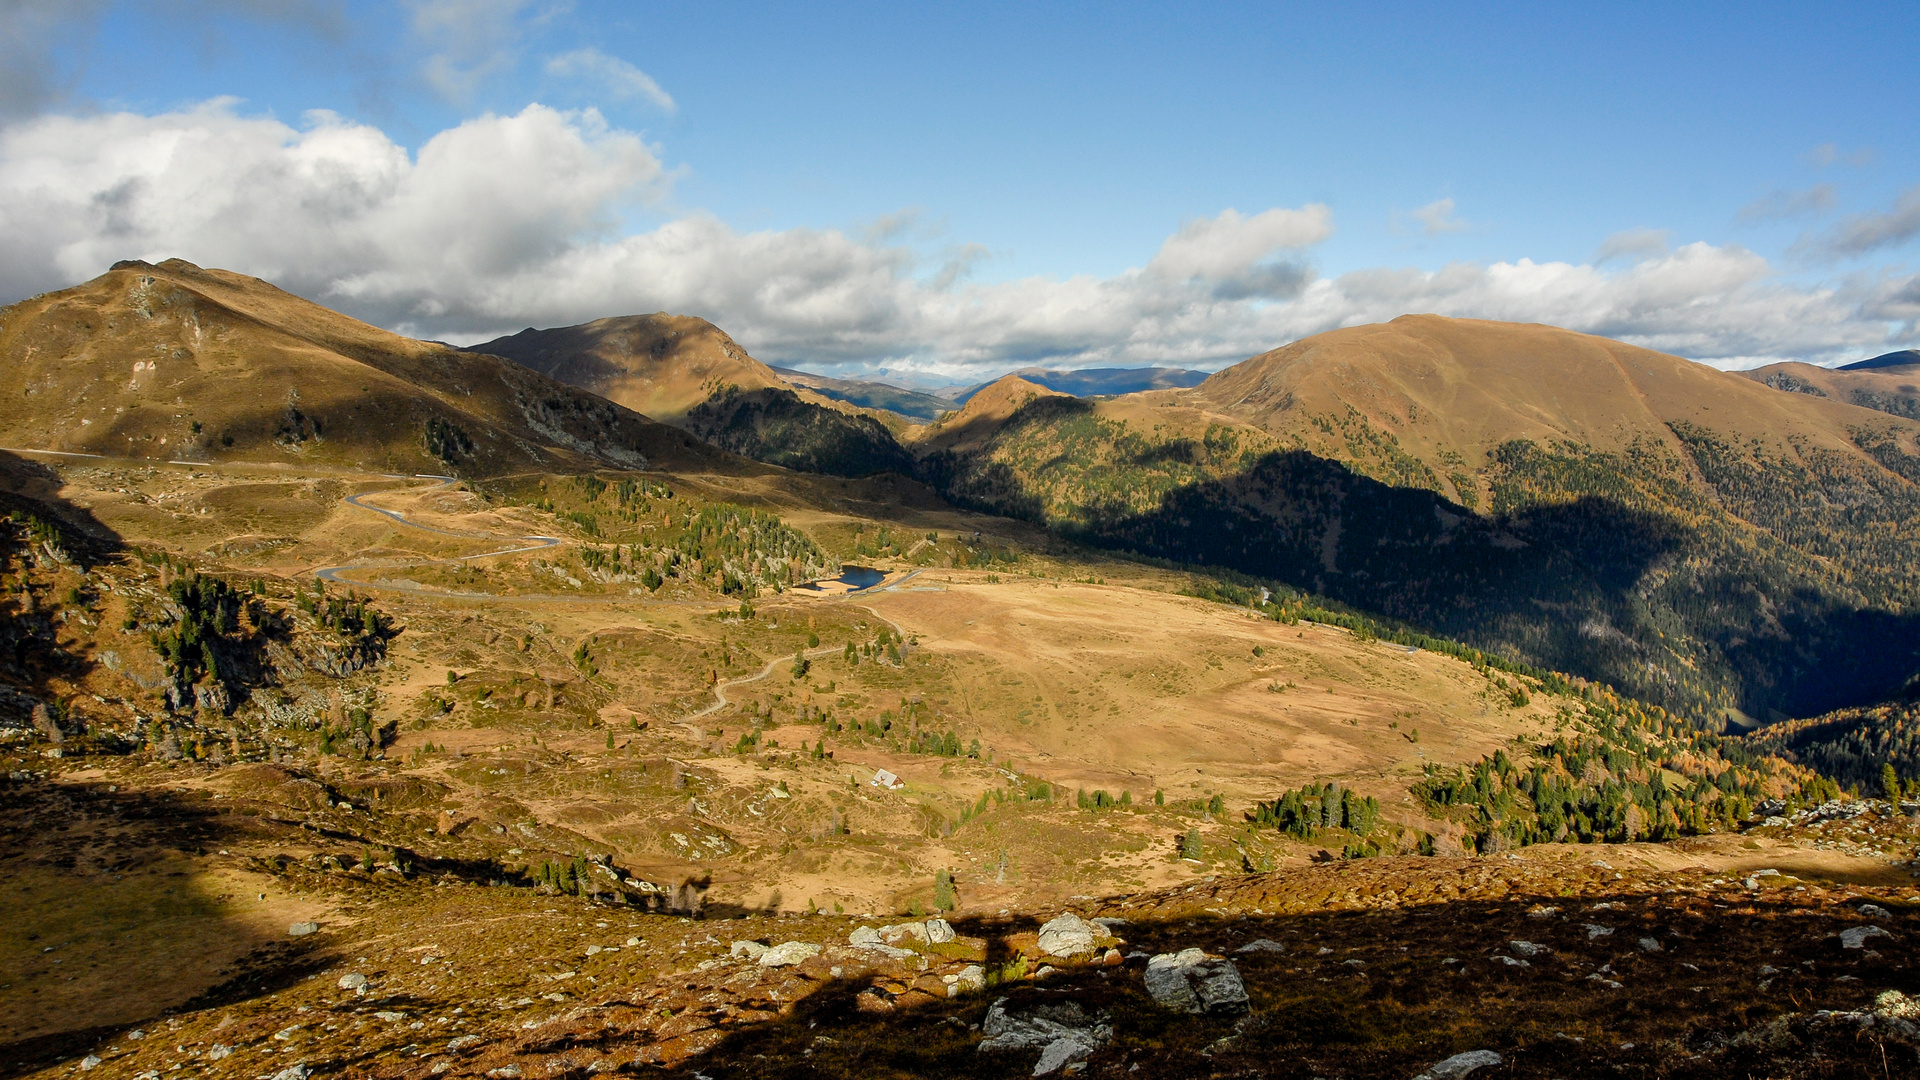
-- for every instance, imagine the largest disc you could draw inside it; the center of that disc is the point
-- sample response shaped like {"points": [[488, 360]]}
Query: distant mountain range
{"points": [[1888, 383], [1099, 382]]}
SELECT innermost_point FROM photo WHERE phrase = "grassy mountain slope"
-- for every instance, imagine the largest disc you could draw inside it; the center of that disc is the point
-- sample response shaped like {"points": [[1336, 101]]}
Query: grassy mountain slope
{"points": [[176, 362], [1890, 385], [685, 371], [1690, 536]]}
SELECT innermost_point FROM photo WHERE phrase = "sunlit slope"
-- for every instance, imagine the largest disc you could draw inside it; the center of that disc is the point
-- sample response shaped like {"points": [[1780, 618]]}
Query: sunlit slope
{"points": [[1698, 538], [176, 362], [1449, 389], [1890, 385]]}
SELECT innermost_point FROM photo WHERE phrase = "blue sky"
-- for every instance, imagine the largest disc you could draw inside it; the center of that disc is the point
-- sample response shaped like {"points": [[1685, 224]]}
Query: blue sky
{"points": [[945, 190]]}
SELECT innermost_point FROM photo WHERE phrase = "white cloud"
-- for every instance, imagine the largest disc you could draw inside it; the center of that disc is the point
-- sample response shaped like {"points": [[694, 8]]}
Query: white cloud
{"points": [[615, 76], [510, 221], [1436, 218], [1225, 248]]}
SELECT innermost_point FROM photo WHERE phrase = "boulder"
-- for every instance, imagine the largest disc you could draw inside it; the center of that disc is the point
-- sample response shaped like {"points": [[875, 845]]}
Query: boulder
{"points": [[1262, 945], [1060, 1053], [1044, 1026], [302, 929], [864, 935], [1528, 948], [788, 954], [1068, 935], [939, 931], [1196, 982], [899, 932], [355, 982], [752, 950], [1857, 937], [1460, 1065]]}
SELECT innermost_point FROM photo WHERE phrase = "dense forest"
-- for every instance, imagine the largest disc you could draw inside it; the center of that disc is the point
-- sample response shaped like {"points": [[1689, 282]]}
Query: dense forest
{"points": [[778, 427]]}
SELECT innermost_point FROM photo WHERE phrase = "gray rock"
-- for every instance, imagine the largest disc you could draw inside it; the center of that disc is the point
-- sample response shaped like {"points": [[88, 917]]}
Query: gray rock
{"points": [[899, 932], [1510, 961], [1595, 930], [1874, 911], [1108, 923], [1460, 1065], [939, 931], [1040, 1026], [1261, 945], [505, 1072], [865, 935], [355, 982], [296, 1071], [1857, 937], [90, 1062], [1648, 944], [218, 1051], [302, 929], [752, 950], [1060, 1053], [788, 954], [972, 979], [1068, 935], [1528, 948], [462, 1042], [1194, 981]]}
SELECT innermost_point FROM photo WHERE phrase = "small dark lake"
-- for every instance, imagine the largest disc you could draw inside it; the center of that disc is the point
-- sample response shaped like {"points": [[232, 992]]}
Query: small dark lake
{"points": [[854, 578]]}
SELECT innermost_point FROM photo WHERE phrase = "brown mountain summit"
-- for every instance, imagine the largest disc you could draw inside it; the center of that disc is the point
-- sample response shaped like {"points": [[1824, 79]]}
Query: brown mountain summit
{"points": [[177, 362]]}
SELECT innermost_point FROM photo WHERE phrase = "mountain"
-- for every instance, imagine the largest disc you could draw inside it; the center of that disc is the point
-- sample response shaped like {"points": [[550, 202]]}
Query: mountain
{"points": [[1889, 384], [176, 362], [872, 395], [1689, 535], [1905, 358], [685, 371], [1100, 382]]}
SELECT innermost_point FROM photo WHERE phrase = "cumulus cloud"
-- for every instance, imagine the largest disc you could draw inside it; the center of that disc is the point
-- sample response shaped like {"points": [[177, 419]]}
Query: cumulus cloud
{"points": [[1858, 235], [1436, 218], [614, 76], [1226, 248], [1780, 205], [508, 221]]}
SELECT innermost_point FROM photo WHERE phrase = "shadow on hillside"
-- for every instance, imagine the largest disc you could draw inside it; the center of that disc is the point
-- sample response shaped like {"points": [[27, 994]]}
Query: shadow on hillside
{"points": [[44, 533], [1360, 994], [1592, 585], [108, 929]]}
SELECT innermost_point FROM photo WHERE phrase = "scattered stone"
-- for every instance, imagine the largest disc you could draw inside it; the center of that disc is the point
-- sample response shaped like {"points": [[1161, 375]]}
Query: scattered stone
{"points": [[1060, 1053], [218, 1051], [594, 950], [90, 1062], [752, 950], [632, 941], [390, 1016], [1542, 911], [1108, 923], [972, 979], [1460, 1065], [1045, 1026], [1528, 948], [1067, 935], [939, 931], [1874, 911], [505, 1072], [1262, 945], [864, 935], [1595, 930], [1648, 944], [302, 929], [1509, 961], [1193, 981], [1112, 958], [296, 1071], [788, 954], [898, 932], [355, 982], [1856, 937], [462, 1042], [1610, 984]]}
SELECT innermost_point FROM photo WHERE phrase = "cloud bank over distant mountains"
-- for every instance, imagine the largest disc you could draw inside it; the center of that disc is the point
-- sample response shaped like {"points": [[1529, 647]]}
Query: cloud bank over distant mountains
{"points": [[506, 221]]}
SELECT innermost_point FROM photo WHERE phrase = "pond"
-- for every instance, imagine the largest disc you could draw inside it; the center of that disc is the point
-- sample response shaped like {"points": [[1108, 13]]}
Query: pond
{"points": [[855, 578]]}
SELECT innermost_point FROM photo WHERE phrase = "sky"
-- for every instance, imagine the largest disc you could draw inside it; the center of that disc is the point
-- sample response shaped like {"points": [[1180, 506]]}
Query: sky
{"points": [[940, 193]]}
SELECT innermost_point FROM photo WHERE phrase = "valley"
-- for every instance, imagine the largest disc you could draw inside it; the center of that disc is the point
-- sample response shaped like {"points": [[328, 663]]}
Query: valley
{"points": [[381, 708]]}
